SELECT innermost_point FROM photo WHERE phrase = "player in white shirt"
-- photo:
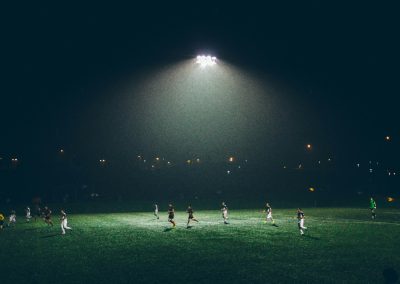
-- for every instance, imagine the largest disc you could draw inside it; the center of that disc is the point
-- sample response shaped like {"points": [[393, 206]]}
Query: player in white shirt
{"points": [[64, 222], [12, 219], [224, 211], [300, 221], [28, 214], [156, 211]]}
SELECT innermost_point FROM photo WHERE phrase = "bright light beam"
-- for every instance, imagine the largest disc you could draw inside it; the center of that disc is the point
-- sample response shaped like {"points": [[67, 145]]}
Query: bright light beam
{"points": [[206, 60]]}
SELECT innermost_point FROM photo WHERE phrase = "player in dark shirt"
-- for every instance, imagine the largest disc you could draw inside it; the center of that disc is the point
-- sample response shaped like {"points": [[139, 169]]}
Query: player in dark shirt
{"points": [[47, 216], [171, 215], [300, 221], [268, 211], [190, 217]]}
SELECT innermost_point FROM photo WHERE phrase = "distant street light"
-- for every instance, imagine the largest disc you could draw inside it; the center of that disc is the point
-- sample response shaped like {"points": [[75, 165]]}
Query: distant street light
{"points": [[309, 146]]}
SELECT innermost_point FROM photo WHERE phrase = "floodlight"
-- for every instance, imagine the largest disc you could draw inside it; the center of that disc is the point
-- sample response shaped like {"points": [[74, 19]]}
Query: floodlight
{"points": [[206, 60]]}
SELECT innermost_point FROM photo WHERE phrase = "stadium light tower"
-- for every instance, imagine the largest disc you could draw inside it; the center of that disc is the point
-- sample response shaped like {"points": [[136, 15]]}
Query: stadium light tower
{"points": [[206, 60]]}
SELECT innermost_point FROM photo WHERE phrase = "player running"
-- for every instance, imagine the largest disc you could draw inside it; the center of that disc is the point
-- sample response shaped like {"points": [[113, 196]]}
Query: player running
{"points": [[64, 222], [190, 217], [47, 216], [372, 206], [156, 211], [224, 211], [171, 215], [28, 214], [12, 220], [300, 221], [268, 211]]}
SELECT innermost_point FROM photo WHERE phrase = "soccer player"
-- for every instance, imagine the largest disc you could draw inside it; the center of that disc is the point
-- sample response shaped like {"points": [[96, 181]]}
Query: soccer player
{"points": [[224, 211], [171, 215], [268, 211], [64, 222], [300, 221], [372, 206], [156, 211], [1, 221], [47, 216], [12, 219], [190, 217], [28, 214]]}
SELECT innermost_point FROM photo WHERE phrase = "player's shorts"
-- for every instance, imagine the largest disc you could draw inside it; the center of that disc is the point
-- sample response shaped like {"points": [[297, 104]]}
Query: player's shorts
{"points": [[190, 216], [269, 216], [300, 223]]}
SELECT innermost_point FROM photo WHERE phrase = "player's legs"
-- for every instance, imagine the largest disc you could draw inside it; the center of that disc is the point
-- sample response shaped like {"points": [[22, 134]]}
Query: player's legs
{"points": [[225, 216], [65, 224], [62, 228], [373, 213]]}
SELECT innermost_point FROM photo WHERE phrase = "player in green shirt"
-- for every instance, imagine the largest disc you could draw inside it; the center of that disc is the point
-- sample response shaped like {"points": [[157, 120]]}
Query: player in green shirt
{"points": [[372, 206]]}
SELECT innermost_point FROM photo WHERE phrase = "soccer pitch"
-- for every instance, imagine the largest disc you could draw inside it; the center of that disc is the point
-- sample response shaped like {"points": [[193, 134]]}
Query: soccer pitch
{"points": [[341, 246]]}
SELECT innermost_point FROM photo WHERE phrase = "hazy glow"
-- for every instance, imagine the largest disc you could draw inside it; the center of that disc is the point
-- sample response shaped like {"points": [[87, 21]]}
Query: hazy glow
{"points": [[206, 60], [183, 111]]}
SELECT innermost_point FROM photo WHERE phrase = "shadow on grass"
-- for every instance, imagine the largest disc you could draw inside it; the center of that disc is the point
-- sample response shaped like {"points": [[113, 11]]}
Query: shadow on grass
{"points": [[168, 229], [189, 227], [31, 229], [311, 237], [50, 236]]}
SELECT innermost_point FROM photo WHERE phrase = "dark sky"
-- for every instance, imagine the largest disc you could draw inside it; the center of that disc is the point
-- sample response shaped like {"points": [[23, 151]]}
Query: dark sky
{"points": [[339, 61]]}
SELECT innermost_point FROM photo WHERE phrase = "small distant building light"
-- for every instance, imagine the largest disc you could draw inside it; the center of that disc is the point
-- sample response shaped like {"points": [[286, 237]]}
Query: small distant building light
{"points": [[228, 172], [231, 159], [309, 146], [390, 199], [311, 189], [387, 138], [370, 170]]}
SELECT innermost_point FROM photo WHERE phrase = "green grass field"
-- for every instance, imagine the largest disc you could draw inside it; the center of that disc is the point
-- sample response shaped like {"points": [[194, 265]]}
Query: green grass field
{"points": [[341, 246]]}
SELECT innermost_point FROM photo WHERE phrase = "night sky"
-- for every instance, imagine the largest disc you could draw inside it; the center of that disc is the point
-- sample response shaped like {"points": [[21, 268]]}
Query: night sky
{"points": [[332, 68]]}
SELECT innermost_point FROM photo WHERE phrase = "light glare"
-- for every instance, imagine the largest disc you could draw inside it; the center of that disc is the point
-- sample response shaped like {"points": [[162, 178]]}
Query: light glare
{"points": [[206, 60]]}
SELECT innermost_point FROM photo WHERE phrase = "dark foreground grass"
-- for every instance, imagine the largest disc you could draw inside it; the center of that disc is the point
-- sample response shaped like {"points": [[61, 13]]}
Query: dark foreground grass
{"points": [[341, 246]]}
